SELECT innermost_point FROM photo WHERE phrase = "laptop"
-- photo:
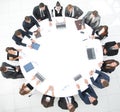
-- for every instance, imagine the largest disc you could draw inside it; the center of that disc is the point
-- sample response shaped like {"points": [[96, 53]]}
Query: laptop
{"points": [[40, 77], [78, 24], [35, 46], [77, 77], [60, 25], [91, 53], [28, 67]]}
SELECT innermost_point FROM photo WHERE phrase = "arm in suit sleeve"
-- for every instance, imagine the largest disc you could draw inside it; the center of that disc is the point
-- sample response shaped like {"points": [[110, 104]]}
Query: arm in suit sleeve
{"points": [[78, 12], [33, 19], [48, 13]]}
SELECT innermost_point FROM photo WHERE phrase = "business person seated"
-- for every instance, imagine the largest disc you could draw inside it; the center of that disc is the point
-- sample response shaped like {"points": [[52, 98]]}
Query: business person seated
{"points": [[100, 32], [10, 71], [58, 9], [28, 23], [101, 81], [109, 66], [88, 96], [27, 88], [111, 48], [47, 100], [92, 19], [68, 103], [73, 11], [18, 37], [13, 54], [41, 12]]}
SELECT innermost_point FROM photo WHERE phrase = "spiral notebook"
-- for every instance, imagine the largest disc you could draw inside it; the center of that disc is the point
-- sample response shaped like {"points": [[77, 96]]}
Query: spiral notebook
{"points": [[91, 53], [40, 77]]}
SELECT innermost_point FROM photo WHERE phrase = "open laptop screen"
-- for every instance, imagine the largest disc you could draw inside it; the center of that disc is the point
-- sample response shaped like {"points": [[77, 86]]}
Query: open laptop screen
{"points": [[91, 53]]}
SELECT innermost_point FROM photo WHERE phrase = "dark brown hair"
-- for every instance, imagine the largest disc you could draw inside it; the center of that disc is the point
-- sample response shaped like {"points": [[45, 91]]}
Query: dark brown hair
{"points": [[3, 69]]}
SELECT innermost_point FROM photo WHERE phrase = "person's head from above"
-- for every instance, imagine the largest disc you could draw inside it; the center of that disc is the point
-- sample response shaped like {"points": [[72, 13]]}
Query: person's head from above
{"points": [[70, 8], [114, 63], [58, 4], [24, 90], [9, 50], [104, 83], [70, 107], [93, 100], [42, 6], [46, 102], [18, 33], [118, 44], [27, 19], [94, 13], [3, 69]]}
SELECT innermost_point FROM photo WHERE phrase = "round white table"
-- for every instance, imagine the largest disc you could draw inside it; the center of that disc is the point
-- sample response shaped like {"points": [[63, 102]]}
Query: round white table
{"points": [[62, 55]]}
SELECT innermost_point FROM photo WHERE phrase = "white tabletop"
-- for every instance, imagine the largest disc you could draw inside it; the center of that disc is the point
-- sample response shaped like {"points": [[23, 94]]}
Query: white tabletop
{"points": [[62, 55]]}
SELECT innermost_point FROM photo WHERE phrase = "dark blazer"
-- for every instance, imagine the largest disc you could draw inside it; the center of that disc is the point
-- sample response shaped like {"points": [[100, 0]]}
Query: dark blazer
{"points": [[51, 99], [37, 15], [84, 96], [110, 51], [101, 75], [60, 12], [12, 55], [86, 19], [77, 12], [105, 69], [63, 104], [11, 74], [28, 26], [18, 40], [96, 31]]}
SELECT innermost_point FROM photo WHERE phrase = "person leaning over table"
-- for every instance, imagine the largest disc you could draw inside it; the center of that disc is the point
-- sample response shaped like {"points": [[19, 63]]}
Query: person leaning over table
{"points": [[41, 12], [28, 23], [73, 11], [13, 54], [109, 66], [92, 19], [58, 9], [111, 48], [102, 79], [68, 103], [88, 96], [10, 71], [18, 37], [100, 33], [27, 88], [47, 100]]}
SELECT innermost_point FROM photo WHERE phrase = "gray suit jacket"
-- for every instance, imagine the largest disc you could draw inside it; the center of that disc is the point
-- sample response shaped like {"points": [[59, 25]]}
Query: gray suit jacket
{"points": [[94, 24], [77, 12]]}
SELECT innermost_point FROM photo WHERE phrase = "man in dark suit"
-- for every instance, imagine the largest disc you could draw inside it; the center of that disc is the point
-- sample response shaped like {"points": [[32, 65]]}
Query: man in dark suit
{"points": [[92, 19], [88, 96], [10, 71], [111, 48], [41, 12], [101, 81], [28, 23], [73, 11], [68, 103], [18, 37]]}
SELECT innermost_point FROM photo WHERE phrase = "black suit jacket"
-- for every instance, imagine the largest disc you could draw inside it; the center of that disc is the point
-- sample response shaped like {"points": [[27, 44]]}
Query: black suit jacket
{"points": [[83, 95], [63, 104], [37, 15], [18, 40], [110, 52], [11, 74], [28, 26]]}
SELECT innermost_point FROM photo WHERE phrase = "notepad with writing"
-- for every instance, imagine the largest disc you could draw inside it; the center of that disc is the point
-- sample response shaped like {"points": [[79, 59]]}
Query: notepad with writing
{"points": [[28, 67], [40, 77], [35, 46]]}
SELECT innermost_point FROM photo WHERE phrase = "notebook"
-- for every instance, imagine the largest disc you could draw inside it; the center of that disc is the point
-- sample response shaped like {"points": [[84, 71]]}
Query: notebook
{"points": [[91, 53], [60, 25], [29, 66], [78, 24], [35, 46], [39, 76], [77, 77]]}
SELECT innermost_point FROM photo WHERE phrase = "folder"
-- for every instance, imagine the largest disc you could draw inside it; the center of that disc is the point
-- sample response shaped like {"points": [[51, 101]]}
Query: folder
{"points": [[35, 46], [38, 34], [28, 67], [78, 24]]}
